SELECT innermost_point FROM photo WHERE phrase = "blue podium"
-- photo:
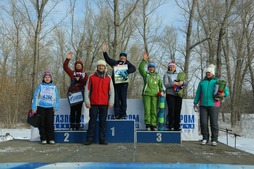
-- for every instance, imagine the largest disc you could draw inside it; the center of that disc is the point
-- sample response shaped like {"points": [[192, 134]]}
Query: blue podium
{"points": [[159, 137], [118, 131], [66, 136]]}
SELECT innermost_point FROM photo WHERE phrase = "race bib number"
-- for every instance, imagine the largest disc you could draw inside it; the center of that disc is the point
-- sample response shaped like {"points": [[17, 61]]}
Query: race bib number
{"points": [[47, 93]]}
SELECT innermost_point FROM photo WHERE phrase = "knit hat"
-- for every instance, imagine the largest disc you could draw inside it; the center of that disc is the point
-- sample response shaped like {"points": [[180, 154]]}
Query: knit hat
{"points": [[47, 73], [79, 62], [211, 69], [123, 54], [151, 64], [171, 64], [102, 62]]}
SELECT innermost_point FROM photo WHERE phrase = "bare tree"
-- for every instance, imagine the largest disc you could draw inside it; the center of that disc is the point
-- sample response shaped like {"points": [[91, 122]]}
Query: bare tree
{"points": [[118, 22], [222, 32], [39, 8], [240, 59]]}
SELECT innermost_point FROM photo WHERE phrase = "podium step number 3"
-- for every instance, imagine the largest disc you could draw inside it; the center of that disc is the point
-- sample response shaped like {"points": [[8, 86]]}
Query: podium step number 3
{"points": [[159, 137]]}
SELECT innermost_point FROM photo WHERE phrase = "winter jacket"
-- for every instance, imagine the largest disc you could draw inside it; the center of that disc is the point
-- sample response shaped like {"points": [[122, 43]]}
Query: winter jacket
{"points": [[152, 81], [99, 90], [46, 96], [168, 80], [112, 63], [76, 85], [205, 91]]}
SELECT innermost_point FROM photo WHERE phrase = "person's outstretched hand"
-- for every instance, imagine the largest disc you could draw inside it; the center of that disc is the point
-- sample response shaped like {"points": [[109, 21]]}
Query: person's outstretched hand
{"points": [[69, 55], [104, 47], [145, 56]]}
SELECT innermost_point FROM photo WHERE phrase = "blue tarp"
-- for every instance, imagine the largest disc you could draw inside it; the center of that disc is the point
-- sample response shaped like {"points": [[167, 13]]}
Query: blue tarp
{"points": [[102, 165]]}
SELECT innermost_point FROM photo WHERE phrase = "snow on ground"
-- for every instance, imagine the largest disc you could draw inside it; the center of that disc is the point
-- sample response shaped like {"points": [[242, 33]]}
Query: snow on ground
{"points": [[10, 134], [245, 129]]}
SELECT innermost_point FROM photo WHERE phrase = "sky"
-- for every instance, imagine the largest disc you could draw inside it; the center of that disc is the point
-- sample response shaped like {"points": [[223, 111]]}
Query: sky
{"points": [[170, 13]]}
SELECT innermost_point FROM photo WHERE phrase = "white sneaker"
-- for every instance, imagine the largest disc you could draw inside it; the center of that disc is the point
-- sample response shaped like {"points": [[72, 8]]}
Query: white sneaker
{"points": [[148, 129], [51, 142], [43, 142], [204, 142], [214, 143]]}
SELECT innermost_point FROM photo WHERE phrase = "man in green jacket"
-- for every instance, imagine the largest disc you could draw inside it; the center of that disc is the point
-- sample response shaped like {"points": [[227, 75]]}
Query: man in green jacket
{"points": [[152, 88], [209, 106]]}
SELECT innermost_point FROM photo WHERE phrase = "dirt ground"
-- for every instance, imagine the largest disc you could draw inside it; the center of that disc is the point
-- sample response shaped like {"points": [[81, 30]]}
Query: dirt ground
{"points": [[187, 152]]}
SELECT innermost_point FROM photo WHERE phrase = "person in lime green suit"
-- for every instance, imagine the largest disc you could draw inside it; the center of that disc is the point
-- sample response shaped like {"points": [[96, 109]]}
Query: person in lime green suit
{"points": [[152, 88]]}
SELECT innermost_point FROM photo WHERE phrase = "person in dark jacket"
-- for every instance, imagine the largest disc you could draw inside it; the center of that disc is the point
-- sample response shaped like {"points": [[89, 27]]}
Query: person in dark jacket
{"points": [[46, 103], [78, 81], [99, 96], [120, 105]]}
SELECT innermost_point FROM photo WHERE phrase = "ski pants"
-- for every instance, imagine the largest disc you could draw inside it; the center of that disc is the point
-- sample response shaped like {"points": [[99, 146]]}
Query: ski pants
{"points": [[46, 127], [212, 113], [174, 110], [75, 115], [151, 109], [120, 105], [94, 111]]}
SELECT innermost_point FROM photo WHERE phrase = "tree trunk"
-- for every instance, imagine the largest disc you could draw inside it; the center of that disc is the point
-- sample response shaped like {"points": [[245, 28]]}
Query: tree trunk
{"points": [[39, 10], [188, 42]]}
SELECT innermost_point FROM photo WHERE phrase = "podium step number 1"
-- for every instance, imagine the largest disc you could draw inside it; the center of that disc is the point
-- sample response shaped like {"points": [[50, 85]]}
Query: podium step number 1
{"points": [[120, 131]]}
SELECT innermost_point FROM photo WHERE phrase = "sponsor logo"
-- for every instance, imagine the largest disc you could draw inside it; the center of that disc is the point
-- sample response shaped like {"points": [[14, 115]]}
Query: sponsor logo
{"points": [[187, 121]]}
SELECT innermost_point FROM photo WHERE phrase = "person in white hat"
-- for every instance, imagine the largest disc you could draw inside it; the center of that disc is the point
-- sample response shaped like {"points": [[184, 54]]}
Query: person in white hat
{"points": [[99, 96], [209, 107]]}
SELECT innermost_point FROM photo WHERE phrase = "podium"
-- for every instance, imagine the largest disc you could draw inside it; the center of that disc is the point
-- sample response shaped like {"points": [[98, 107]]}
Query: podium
{"points": [[120, 131], [159, 137]]}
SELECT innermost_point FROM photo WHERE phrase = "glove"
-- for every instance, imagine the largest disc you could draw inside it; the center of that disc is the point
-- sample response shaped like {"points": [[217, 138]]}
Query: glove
{"points": [[160, 94]]}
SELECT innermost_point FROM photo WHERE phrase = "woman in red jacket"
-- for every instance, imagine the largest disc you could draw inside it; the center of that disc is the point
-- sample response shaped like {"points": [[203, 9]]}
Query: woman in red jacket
{"points": [[78, 81]]}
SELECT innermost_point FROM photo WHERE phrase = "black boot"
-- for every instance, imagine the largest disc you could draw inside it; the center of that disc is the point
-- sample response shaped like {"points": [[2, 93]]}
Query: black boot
{"points": [[77, 127]]}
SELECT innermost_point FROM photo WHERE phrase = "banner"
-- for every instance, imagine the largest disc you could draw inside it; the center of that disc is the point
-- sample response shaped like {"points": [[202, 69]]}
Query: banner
{"points": [[135, 111], [189, 121], [120, 74]]}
